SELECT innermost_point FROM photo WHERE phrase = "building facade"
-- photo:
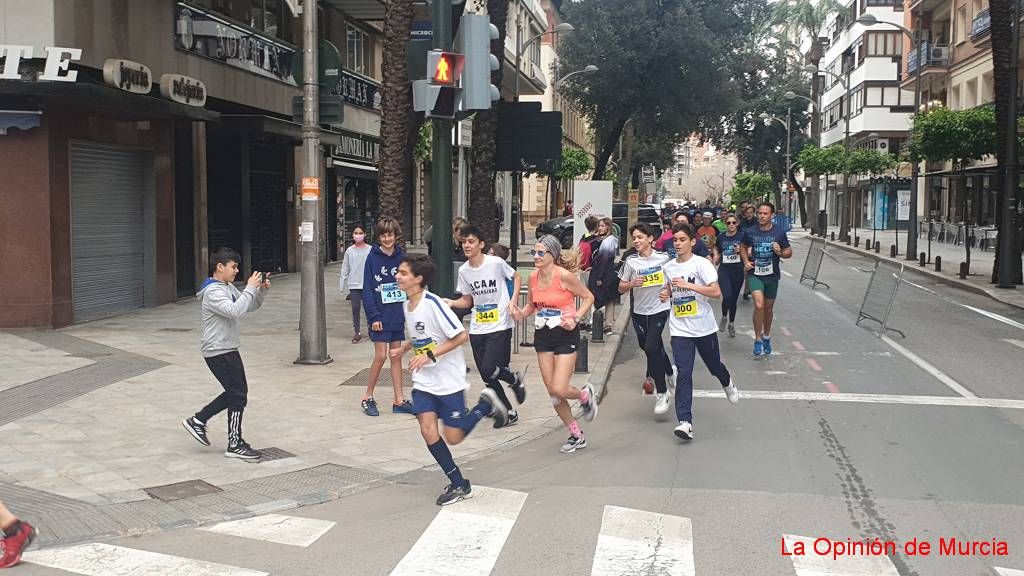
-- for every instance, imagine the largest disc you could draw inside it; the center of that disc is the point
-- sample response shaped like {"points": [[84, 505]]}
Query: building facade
{"points": [[159, 130]]}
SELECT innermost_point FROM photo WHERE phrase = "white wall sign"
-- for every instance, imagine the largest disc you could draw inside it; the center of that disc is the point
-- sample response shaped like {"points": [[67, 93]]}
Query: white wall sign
{"points": [[57, 61], [903, 204], [128, 76], [589, 198], [183, 89]]}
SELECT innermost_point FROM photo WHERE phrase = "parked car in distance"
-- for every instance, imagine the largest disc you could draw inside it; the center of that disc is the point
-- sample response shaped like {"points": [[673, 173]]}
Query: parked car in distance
{"points": [[561, 227]]}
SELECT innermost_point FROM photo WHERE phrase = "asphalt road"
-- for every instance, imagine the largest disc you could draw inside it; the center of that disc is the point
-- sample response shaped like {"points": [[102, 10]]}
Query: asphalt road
{"points": [[909, 457]]}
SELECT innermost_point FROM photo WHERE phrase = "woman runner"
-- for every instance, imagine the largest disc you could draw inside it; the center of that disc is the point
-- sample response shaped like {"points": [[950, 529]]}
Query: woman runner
{"points": [[690, 282], [557, 335], [730, 273]]}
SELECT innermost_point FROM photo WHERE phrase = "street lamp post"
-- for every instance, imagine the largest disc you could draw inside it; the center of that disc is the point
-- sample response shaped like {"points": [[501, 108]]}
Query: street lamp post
{"points": [[915, 168], [845, 82], [768, 119], [589, 69], [517, 185], [813, 195]]}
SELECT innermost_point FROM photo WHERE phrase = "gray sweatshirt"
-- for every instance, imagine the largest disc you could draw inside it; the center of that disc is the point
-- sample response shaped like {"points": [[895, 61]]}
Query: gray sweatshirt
{"points": [[222, 305], [352, 268]]}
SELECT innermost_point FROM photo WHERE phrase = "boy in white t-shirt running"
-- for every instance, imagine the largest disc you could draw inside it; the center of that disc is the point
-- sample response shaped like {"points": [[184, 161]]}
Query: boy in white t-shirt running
{"points": [[690, 282], [439, 373], [487, 284]]}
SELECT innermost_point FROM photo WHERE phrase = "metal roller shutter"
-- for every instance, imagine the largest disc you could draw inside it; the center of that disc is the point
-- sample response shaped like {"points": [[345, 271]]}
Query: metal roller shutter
{"points": [[107, 230]]}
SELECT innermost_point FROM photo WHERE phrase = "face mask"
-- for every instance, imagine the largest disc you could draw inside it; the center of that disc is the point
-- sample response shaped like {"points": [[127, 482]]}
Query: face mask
{"points": [[359, 237]]}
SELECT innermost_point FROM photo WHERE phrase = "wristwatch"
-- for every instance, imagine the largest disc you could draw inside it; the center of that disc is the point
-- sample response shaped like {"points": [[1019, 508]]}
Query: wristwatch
{"points": [[430, 354]]}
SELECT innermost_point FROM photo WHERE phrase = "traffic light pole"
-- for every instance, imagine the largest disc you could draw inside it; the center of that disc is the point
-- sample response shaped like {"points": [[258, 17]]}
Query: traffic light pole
{"points": [[441, 167], [312, 319]]}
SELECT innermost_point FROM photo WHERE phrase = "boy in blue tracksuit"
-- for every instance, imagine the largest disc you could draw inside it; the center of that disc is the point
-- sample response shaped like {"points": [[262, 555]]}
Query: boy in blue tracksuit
{"points": [[383, 302]]}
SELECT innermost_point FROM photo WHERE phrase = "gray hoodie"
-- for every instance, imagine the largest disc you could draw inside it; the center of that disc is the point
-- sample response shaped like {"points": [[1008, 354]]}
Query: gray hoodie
{"points": [[222, 306]]}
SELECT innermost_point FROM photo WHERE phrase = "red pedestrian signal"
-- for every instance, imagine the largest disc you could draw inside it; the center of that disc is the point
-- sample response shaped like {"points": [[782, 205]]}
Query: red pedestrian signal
{"points": [[445, 67], [443, 74]]}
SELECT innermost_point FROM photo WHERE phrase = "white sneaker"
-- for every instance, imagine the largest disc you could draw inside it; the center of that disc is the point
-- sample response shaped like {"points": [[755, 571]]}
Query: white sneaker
{"points": [[661, 404], [723, 323], [731, 392], [684, 430]]}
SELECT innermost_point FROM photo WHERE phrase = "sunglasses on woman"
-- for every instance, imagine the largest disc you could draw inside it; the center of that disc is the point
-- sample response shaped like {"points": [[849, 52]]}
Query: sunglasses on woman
{"points": [[732, 223], [538, 253]]}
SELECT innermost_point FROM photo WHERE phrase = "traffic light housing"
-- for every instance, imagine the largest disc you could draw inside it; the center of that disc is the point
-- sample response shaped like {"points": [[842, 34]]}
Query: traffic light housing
{"points": [[476, 33]]}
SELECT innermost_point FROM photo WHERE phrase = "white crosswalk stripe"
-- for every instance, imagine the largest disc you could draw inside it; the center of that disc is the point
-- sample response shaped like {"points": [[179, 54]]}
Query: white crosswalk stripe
{"points": [[108, 560], [277, 528], [814, 564], [466, 538], [639, 542], [1009, 572]]}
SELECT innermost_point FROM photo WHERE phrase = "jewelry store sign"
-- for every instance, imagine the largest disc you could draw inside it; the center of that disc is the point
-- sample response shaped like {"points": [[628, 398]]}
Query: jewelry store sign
{"points": [[210, 36], [358, 148]]}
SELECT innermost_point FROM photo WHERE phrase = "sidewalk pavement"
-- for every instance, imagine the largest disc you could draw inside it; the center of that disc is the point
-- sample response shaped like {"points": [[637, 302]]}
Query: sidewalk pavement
{"points": [[93, 446], [952, 255]]}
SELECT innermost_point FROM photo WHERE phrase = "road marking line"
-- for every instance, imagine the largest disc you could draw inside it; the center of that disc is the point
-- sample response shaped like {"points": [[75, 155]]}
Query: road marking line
{"points": [[1009, 572], [1017, 343], [277, 528], [872, 399], [799, 346], [787, 274], [824, 296], [107, 560], [927, 367], [466, 538], [635, 542], [813, 364], [995, 316], [786, 332], [774, 372], [812, 564], [832, 387]]}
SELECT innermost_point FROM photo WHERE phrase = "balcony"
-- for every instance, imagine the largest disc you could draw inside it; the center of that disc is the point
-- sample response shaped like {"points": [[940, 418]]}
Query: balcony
{"points": [[981, 25], [934, 55]]}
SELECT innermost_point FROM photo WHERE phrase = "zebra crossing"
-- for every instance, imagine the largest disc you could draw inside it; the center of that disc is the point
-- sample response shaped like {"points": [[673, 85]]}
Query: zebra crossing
{"points": [[465, 539]]}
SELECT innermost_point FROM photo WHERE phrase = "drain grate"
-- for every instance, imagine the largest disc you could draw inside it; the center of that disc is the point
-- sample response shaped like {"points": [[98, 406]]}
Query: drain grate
{"points": [[182, 490], [385, 378], [270, 454]]}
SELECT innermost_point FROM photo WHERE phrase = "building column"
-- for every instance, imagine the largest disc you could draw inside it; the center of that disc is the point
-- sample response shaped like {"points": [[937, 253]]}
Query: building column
{"points": [[200, 218]]}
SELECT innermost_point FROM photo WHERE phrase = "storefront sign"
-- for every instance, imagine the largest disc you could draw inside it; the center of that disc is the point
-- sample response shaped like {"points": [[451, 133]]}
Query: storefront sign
{"points": [[183, 89], [903, 204], [210, 36], [127, 75], [358, 148], [358, 91], [57, 61], [310, 188]]}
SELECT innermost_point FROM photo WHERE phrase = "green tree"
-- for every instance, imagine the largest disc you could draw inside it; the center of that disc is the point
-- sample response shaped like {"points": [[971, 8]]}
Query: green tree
{"points": [[751, 187], [575, 163], [648, 61], [868, 161]]}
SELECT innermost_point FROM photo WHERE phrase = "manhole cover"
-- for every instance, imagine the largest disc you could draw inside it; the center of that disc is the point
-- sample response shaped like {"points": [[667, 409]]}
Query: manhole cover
{"points": [[174, 330], [269, 454], [182, 490], [385, 378]]}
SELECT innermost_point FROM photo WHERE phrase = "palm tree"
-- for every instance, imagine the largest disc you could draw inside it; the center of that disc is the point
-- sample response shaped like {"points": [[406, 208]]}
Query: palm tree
{"points": [[396, 109], [806, 18], [1004, 90], [485, 131]]}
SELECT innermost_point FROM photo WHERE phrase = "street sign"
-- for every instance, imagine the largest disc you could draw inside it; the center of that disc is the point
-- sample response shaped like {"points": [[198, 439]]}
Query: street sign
{"points": [[310, 188], [633, 212], [648, 174]]}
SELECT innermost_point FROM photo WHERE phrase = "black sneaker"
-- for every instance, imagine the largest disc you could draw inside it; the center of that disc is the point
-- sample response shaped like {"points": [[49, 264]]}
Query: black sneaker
{"points": [[519, 388], [242, 450], [513, 419], [498, 411], [197, 430], [453, 494]]}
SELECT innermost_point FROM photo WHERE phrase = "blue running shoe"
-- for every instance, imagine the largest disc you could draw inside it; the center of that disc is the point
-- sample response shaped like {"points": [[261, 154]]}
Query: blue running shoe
{"points": [[370, 407], [767, 346], [404, 408], [758, 347]]}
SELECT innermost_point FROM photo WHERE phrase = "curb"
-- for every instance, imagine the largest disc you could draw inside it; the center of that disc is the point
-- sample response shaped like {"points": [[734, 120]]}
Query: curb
{"points": [[938, 277]]}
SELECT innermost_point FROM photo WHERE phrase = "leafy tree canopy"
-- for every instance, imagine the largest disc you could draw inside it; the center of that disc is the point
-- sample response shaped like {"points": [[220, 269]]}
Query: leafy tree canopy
{"points": [[751, 187], [575, 163]]}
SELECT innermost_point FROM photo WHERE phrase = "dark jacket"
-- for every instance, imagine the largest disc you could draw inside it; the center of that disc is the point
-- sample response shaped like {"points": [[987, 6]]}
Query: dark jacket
{"points": [[380, 269]]}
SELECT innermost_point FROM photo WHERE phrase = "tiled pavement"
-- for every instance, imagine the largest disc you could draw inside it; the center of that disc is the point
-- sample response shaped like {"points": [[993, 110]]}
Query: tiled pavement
{"points": [[90, 419]]}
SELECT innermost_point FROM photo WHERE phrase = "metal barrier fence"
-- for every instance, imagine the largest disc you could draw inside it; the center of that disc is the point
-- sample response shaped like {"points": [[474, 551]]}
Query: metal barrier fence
{"points": [[812, 265], [880, 295]]}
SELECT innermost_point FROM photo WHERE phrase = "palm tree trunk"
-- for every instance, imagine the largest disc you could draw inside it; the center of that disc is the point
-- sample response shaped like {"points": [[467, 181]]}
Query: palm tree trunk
{"points": [[485, 129], [396, 109]]}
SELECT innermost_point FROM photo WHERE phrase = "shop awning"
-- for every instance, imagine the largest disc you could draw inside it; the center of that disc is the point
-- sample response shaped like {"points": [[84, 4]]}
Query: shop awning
{"points": [[260, 124], [19, 119], [116, 103], [354, 166]]}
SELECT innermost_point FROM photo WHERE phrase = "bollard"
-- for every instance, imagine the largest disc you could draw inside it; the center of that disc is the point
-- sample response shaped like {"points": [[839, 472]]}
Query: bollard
{"points": [[856, 241], [892, 250], [963, 270], [833, 236], [938, 263], [597, 326], [922, 259], [878, 246], [582, 358], [847, 240]]}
